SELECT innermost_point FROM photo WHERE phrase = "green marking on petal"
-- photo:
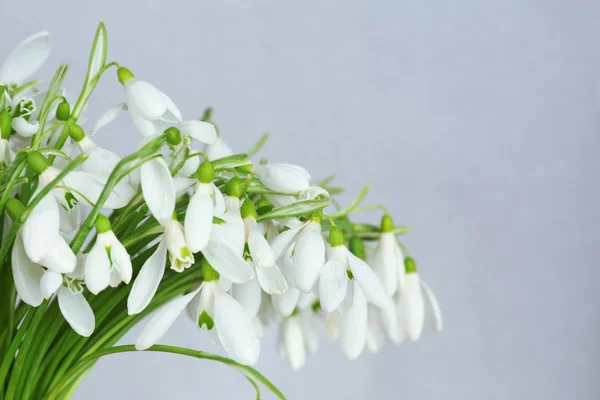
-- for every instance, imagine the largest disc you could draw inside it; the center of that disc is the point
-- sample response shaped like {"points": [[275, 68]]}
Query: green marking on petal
{"points": [[207, 320]]}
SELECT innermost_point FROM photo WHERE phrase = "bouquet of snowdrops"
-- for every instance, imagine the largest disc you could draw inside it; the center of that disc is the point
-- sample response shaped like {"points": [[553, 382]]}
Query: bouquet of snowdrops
{"points": [[92, 243]]}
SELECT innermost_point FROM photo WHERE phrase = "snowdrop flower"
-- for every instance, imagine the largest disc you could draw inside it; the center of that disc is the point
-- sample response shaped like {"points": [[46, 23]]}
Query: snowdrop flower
{"points": [[269, 276], [416, 303], [387, 259], [307, 247], [217, 150], [212, 308], [26, 59], [297, 336], [100, 161], [108, 263], [342, 266], [284, 178], [147, 105]]}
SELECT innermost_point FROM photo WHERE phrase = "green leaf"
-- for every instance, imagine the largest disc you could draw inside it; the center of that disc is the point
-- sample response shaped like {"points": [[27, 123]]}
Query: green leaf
{"points": [[98, 53], [232, 161], [300, 208], [261, 142]]}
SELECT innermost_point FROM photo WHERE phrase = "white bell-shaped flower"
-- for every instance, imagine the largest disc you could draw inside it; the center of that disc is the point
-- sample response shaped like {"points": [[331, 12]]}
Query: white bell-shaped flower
{"points": [[387, 259], [296, 337], [26, 59], [284, 178]]}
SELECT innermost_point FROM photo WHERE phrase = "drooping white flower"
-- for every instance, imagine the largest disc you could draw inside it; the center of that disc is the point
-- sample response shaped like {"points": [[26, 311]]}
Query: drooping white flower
{"points": [[284, 178], [76, 310], [387, 260], [416, 304], [26, 59], [108, 263], [180, 256], [296, 337], [353, 334]]}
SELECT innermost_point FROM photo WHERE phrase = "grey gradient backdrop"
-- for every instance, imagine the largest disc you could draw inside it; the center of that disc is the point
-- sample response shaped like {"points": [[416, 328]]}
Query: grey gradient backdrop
{"points": [[476, 122]]}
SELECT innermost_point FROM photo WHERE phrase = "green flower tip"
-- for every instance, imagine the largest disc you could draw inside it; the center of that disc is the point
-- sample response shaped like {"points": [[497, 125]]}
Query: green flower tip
{"points": [[5, 124], [206, 172], [357, 247], [387, 224], [76, 132], [207, 320], [124, 75], [316, 217], [14, 208], [336, 236], [208, 272], [234, 187], [173, 136], [102, 224], [63, 112], [248, 209], [37, 162], [410, 266]]}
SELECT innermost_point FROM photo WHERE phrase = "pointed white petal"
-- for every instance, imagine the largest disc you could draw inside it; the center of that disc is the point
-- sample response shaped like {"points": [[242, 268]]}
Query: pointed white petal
{"points": [[60, 258], [217, 150], [411, 308], [369, 282], [219, 201], [390, 323], [248, 294], [91, 185], [27, 275], [148, 129], [308, 259], [100, 161], [109, 116], [271, 279], [97, 269], [204, 132], [172, 115], [261, 252], [146, 283], [285, 178], [162, 320], [433, 313], [401, 269], [283, 241], [144, 99], [24, 127], [50, 283], [293, 342], [26, 59], [76, 310], [121, 261], [41, 228], [228, 264], [158, 189], [333, 285], [375, 335], [198, 219], [182, 184], [333, 323], [69, 220], [384, 262], [236, 330], [354, 327], [285, 303]]}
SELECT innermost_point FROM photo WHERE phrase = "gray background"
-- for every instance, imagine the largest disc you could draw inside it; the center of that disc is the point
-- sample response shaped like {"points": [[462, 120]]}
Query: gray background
{"points": [[477, 124]]}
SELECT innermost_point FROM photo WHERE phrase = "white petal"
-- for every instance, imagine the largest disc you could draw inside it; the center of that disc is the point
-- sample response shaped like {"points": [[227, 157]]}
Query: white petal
{"points": [[411, 308], [26, 59], [333, 285], [198, 219], [76, 310], [60, 258], [41, 228], [97, 269], [293, 342], [228, 264], [236, 330], [309, 330], [285, 303], [69, 220], [232, 232], [248, 294], [369, 283], [24, 127], [401, 269], [354, 326], [148, 129], [50, 283], [308, 259], [172, 115], [433, 313], [26, 274], [283, 241], [204, 132], [375, 335], [261, 252], [158, 189], [219, 201], [109, 116], [121, 261], [391, 324], [100, 161], [384, 262], [271, 279], [333, 323], [162, 320], [147, 281], [285, 178], [217, 150], [144, 99]]}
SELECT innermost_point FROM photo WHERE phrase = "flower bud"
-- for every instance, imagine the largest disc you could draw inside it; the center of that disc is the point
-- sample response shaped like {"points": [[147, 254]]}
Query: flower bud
{"points": [[63, 112], [5, 124], [336, 236], [248, 209], [76, 132], [37, 162], [173, 136], [357, 247], [206, 172], [208, 272], [387, 224], [124, 75], [410, 266], [102, 224], [14, 208], [234, 187]]}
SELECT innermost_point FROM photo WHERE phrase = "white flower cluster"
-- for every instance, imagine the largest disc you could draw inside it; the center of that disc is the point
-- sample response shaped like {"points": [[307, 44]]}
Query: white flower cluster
{"points": [[252, 244]]}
